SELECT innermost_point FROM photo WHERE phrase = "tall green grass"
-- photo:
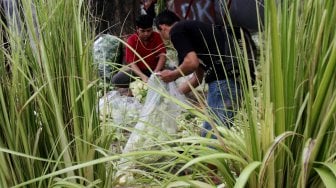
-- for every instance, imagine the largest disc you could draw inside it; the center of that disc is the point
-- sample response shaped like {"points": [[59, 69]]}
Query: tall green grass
{"points": [[301, 43], [286, 126], [285, 129], [48, 96], [295, 99]]}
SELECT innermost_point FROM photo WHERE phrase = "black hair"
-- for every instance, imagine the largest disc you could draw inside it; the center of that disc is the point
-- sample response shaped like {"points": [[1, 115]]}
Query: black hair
{"points": [[166, 17], [144, 21]]}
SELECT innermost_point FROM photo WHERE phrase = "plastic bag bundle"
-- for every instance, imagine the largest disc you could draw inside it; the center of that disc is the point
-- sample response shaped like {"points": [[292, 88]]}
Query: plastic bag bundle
{"points": [[107, 52], [121, 109], [157, 121]]}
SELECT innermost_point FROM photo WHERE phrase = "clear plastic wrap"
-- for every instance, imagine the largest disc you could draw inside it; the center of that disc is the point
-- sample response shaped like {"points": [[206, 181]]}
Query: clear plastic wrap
{"points": [[157, 122], [107, 53], [121, 109]]}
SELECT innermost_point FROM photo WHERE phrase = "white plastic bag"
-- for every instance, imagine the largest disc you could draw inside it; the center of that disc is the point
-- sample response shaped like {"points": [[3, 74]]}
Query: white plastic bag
{"points": [[157, 121], [121, 109]]}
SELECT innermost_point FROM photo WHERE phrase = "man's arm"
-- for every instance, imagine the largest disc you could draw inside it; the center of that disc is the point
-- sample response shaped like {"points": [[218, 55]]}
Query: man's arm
{"points": [[131, 57], [193, 82], [161, 62], [189, 65], [138, 72]]}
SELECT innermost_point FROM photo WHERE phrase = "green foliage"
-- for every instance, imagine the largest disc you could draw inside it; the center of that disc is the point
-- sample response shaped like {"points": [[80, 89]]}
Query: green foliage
{"points": [[47, 94], [294, 99], [284, 133], [327, 174], [161, 5]]}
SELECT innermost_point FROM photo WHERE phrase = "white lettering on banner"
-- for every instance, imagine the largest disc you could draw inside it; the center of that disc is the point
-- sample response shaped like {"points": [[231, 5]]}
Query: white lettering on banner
{"points": [[203, 11], [200, 13]]}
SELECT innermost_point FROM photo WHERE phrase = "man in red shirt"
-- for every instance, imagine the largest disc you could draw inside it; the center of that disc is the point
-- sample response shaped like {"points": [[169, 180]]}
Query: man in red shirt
{"points": [[145, 53]]}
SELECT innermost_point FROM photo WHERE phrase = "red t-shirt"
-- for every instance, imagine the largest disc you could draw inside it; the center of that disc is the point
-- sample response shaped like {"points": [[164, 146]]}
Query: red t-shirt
{"points": [[150, 52]]}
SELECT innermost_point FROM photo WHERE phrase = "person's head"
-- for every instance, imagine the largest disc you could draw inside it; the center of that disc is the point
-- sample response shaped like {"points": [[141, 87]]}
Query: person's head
{"points": [[164, 21], [144, 26]]}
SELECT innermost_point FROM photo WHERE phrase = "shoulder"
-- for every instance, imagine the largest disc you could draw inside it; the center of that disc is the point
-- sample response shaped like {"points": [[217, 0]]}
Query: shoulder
{"points": [[132, 38], [188, 25], [156, 36]]}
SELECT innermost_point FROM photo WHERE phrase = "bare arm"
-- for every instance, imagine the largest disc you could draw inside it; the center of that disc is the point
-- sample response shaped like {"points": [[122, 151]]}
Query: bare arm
{"points": [[161, 63], [138, 72], [193, 82], [189, 65]]}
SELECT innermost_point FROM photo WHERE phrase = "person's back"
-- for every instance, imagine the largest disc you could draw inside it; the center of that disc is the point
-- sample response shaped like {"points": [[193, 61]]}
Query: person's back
{"points": [[212, 44]]}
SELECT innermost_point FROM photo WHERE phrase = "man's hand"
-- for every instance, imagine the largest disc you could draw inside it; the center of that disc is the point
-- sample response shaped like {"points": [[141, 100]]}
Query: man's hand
{"points": [[168, 75], [189, 65], [144, 78]]}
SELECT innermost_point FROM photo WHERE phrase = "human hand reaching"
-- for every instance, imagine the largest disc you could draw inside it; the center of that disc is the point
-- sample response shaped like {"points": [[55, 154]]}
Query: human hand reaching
{"points": [[144, 78], [167, 75]]}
